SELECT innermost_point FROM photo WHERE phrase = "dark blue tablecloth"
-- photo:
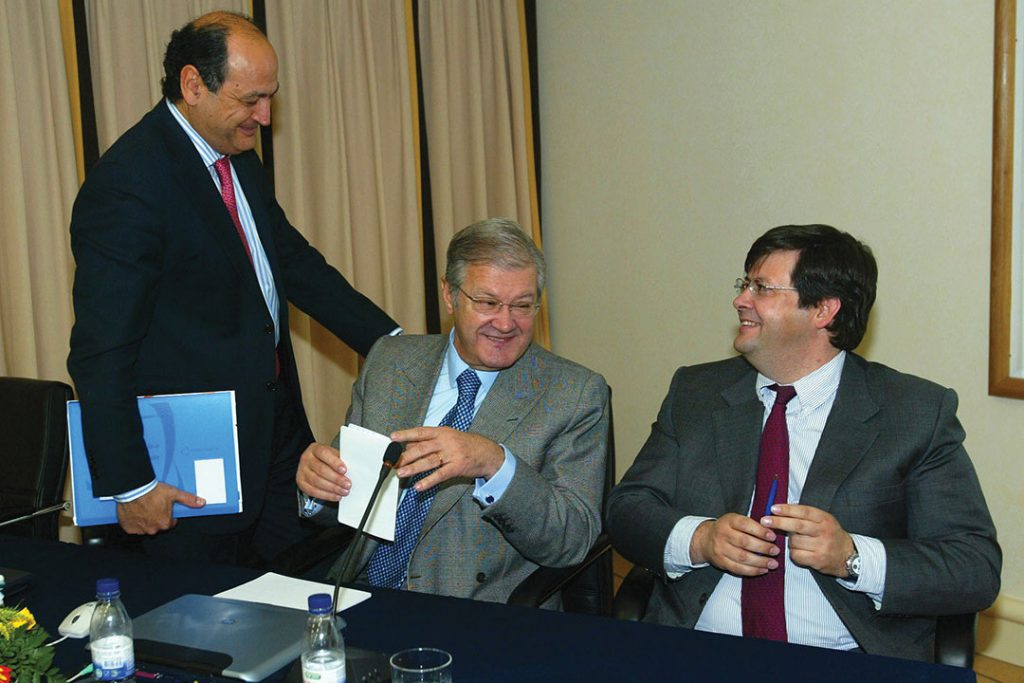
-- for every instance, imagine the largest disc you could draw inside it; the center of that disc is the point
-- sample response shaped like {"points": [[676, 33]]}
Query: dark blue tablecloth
{"points": [[489, 642]]}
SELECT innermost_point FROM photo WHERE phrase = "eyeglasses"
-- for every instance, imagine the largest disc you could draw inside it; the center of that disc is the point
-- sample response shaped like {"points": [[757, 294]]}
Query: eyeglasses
{"points": [[758, 288], [522, 309]]}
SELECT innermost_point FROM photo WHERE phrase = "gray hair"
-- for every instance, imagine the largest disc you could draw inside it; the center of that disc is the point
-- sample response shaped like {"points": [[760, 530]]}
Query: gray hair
{"points": [[500, 242]]}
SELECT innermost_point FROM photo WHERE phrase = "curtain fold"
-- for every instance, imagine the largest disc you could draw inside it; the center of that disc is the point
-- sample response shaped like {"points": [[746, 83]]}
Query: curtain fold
{"points": [[40, 178], [477, 111], [345, 169]]}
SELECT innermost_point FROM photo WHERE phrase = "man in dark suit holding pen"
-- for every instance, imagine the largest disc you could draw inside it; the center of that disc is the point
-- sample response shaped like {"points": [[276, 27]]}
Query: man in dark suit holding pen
{"points": [[185, 264], [878, 524]]}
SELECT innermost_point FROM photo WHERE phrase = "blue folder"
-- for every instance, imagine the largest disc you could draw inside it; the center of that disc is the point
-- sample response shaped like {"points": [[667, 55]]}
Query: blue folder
{"points": [[182, 432]]}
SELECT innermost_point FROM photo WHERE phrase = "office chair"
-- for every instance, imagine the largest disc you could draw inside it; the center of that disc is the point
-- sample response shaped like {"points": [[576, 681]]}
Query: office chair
{"points": [[33, 452], [954, 633], [586, 588]]}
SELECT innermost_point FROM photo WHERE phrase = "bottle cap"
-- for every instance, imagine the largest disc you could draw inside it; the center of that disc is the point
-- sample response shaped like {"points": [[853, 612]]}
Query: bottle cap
{"points": [[320, 603], [107, 588]]}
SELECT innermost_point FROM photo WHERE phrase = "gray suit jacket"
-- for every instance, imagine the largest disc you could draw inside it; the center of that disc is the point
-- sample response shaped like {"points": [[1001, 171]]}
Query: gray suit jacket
{"points": [[890, 464], [551, 413]]}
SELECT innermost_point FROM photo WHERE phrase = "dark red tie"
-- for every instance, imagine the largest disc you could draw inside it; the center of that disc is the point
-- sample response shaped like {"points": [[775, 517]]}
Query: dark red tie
{"points": [[763, 597], [227, 193]]}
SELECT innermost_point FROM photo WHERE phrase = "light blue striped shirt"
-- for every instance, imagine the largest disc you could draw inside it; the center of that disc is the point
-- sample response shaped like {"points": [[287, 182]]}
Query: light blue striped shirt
{"points": [[810, 619], [260, 263]]}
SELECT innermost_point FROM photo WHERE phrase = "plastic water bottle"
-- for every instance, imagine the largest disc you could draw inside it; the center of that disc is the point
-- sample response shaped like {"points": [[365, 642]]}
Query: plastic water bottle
{"points": [[323, 652], [110, 635]]}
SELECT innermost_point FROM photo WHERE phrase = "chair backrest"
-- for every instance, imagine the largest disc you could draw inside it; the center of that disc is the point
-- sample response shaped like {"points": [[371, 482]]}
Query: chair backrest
{"points": [[954, 639], [592, 590], [33, 452]]}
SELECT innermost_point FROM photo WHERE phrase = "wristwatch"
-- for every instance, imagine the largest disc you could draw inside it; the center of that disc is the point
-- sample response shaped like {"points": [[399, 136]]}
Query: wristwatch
{"points": [[853, 565]]}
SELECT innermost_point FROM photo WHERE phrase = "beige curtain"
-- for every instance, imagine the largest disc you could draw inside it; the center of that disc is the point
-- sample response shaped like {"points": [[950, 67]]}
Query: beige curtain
{"points": [[126, 52], [476, 95], [345, 170], [39, 180]]}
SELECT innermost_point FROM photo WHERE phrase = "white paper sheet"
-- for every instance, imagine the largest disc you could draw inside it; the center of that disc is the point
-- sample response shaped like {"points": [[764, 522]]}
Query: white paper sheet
{"points": [[210, 481], [284, 591], [363, 452]]}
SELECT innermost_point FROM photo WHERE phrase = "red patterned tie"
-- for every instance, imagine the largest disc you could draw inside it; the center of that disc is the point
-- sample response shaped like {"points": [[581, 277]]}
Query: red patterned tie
{"points": [[763, 598], [227, 193]]}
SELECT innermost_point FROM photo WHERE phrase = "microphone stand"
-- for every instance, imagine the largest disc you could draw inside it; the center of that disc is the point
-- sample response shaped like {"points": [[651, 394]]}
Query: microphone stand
{"points": [[38, 513], [391, 455]]}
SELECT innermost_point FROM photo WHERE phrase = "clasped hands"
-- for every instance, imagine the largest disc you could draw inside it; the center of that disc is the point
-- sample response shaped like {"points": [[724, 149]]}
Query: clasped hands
{"points": [[745, 546], [449, 452]]}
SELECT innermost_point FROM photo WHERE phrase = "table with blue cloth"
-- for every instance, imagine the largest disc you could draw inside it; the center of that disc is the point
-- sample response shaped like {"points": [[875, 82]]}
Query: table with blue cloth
{"points": [[488, 642]]}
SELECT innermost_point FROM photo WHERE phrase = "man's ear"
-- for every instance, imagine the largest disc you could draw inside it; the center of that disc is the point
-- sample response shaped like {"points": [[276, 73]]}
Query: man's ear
{"points": [[825, 312], [446, 293], [192, 85]]}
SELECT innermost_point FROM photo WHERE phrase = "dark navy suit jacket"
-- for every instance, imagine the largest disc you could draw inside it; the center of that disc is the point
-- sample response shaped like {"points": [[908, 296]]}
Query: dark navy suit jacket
{"points": [[166, 301]]}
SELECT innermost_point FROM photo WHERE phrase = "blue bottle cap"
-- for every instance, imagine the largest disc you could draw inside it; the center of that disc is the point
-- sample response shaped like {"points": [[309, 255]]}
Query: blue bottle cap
{"points": [[107, 588], [320, 603]]}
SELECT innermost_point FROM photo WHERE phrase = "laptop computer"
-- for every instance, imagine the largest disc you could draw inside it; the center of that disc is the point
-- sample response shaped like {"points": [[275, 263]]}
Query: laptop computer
{"points": [[219, 636]]}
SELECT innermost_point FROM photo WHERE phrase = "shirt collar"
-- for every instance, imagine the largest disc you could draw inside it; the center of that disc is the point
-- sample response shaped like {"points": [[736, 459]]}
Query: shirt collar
{"points": [[454, 365], [208, 153], [811, 390]]}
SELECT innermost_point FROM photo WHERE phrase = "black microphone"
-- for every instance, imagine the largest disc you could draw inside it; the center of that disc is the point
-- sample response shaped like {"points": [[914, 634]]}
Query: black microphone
{"points": [[391, 455], [65, 505]]}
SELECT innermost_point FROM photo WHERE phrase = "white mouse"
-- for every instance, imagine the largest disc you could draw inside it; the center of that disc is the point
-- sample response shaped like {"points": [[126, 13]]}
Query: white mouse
{"points": [[76, 624]]}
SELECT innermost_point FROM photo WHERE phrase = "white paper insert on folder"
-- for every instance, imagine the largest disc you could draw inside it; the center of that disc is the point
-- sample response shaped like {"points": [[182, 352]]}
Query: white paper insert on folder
{"points": [[363, 452]]}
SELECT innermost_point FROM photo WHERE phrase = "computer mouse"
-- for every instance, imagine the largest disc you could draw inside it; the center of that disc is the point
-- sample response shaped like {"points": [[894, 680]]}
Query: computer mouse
{"points": [[76, 624]]}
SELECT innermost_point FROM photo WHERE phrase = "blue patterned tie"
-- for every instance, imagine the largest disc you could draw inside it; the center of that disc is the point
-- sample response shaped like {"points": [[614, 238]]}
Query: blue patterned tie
{"points": [[391, 560]]}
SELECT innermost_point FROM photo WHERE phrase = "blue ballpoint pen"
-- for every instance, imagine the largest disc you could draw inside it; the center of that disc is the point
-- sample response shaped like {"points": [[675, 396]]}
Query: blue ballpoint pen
{"points": [[771, 496]]}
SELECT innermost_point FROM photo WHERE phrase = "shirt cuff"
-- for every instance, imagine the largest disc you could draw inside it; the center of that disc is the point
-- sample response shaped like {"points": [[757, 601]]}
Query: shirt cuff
{"points": [[873, 564], [677, 547], [134, 494], [489, 491], [308, 507], [395, 332]]}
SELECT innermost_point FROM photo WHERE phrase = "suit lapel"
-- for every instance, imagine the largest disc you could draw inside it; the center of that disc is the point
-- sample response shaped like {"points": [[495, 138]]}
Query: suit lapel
{"points": [[738, 441], [511, 397], [845, 439], [203, 196]]}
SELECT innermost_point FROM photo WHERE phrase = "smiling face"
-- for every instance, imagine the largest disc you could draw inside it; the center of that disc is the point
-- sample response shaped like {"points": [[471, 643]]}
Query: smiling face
{"points": [[230, 119], [495, 341], [783, 341]]}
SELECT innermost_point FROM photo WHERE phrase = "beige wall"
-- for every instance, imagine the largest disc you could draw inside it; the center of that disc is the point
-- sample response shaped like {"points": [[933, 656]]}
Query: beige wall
{"points": [[675, 132]]}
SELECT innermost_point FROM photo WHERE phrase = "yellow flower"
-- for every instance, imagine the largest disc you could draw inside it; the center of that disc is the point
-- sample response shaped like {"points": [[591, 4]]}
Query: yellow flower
{"points": [[23, 617], [11, 620]]}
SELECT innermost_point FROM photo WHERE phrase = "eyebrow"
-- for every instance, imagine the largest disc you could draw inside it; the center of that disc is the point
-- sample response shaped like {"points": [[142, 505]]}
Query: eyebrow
{"points": [[258, 94]]}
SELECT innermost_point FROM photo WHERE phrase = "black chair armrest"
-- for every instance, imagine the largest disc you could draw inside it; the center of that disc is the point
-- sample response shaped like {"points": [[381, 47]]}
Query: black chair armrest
{"points": [[633, 595], [954, 639], [544, 582]]}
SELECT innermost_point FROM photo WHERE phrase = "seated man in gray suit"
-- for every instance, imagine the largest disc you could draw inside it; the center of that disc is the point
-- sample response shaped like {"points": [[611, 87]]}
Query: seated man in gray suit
{"points": [[859, 467], [505, 443]]}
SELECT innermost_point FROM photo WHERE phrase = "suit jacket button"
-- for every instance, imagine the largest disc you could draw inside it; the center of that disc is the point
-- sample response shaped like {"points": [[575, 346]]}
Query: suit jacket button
{"points": [[268, 328], [704, 598], [271, 386], [481, 577]]}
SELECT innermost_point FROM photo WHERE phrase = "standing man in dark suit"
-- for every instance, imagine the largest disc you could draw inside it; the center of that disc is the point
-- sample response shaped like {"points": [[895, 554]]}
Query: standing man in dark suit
{"points": [[185, 264], [510, 440], [878, 522]]}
